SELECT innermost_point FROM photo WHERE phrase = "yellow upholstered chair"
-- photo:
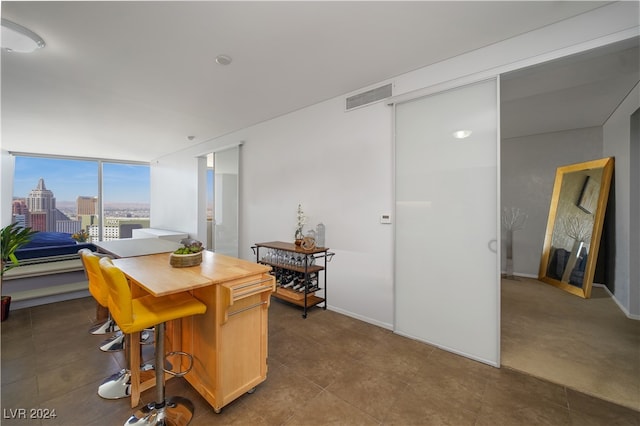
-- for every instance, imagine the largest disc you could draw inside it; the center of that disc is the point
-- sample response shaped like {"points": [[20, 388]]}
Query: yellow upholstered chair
{"points": [[117, 385], [100, 292], [135, 315]]}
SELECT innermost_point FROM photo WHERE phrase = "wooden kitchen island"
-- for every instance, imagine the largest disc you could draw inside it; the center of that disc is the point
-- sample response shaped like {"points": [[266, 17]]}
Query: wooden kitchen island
{"points": [[229, 341]]}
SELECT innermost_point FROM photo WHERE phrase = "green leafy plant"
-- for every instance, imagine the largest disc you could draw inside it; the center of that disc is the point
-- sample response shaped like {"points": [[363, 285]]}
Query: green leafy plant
{"points": [[190, 246], [13, 237], [81, 236]]}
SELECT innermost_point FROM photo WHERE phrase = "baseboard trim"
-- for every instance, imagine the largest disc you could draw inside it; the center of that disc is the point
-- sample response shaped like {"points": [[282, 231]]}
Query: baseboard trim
{"points": [[523, 275], [620, 306], [360, 317]]}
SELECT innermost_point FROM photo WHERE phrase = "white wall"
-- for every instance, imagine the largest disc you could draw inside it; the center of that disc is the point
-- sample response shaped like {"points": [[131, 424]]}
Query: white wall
{"points": [[174, 197], [339, 165], [7, 167], [340, 174], [634, 212], [617, 143], [527, 176]]}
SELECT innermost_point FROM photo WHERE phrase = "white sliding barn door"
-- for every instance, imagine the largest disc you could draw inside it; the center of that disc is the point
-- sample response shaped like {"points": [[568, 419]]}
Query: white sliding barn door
{"points": [[447, 275], [223, 185]]}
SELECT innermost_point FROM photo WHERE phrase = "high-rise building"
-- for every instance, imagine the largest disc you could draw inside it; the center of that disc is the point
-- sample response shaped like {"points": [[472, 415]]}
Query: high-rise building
{"points": [[20, 219], [86, 205], [41, 202], [68, 226], [38, 221], [20, 212], [115, 228]]}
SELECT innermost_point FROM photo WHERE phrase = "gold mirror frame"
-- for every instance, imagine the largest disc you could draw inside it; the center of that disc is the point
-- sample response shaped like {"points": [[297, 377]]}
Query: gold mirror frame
{"points": [[576, 216]]}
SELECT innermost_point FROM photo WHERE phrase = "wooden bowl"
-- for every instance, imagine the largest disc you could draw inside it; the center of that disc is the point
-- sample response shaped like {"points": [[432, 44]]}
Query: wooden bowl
{"points": [[185, 260]]}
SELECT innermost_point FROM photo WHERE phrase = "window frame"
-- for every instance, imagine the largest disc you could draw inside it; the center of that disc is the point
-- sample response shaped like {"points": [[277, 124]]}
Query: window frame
{"points": [[100, 162]]}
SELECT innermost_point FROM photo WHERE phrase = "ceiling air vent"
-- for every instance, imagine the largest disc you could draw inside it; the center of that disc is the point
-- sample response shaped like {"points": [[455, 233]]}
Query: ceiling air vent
{"points": [[369, 97]]}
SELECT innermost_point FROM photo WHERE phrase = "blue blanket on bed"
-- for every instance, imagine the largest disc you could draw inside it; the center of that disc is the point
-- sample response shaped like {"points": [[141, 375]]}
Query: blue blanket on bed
{"points": [[45, 244], [46, 239]]}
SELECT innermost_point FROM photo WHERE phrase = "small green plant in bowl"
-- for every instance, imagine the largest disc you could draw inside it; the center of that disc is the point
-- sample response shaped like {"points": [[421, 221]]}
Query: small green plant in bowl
{"points": [[189, 246], [190, 254]]}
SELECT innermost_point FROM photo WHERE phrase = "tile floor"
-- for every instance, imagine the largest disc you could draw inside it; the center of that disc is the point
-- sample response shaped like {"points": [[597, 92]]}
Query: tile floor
{"points": [[326, 370], [585, 344]]}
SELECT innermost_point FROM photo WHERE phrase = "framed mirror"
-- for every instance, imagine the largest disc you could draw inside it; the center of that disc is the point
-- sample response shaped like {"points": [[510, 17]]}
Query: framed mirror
{"points": [[574, 227]]}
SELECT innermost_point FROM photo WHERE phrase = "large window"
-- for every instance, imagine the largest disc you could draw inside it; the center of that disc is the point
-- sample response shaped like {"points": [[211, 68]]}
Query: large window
{"points": [[105, 200], [126, 199]]}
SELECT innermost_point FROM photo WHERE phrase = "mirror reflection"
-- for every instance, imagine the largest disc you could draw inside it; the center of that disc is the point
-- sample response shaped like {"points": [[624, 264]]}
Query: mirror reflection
{"points": [[574, 226]]}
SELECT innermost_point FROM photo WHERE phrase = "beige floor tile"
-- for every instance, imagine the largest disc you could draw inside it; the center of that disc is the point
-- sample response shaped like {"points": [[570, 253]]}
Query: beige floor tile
{"points": [[328, 369]]}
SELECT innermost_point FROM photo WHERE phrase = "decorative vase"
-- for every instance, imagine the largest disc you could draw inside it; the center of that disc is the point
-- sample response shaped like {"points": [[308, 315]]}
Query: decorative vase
{"points": [[509, 250], [299, 236], [298, 241], [320, 230]]}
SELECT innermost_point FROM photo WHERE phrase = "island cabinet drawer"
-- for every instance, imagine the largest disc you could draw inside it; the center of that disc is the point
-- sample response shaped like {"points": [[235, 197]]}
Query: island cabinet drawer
{"points": [[240, 296], [263, 283]]}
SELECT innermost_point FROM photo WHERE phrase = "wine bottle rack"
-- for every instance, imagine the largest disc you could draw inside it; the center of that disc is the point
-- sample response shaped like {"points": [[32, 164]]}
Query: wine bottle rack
{"points": [[300, 274]]}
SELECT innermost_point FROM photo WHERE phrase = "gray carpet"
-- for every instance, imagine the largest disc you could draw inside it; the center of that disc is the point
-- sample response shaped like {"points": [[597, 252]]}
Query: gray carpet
{"points": [[585, 344]]}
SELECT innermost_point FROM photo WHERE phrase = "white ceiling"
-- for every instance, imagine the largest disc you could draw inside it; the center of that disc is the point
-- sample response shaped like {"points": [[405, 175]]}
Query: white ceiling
{"points": [[569, 93], [131, 80]]}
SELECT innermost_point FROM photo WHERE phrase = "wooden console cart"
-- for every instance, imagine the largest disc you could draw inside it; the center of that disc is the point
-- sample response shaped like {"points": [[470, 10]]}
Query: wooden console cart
{"points": [[299, 273], [229, 341]]}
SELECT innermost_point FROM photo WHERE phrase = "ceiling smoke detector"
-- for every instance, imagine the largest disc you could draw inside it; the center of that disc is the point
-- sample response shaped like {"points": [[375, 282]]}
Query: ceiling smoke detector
{"points": [[223, 60]]}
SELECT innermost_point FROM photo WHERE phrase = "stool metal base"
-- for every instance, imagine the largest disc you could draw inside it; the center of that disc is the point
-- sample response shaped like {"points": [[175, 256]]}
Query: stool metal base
{"points": [[147, 337], [116, 386], [176, 411], [113, 344], [116, 342], [109, 326]]}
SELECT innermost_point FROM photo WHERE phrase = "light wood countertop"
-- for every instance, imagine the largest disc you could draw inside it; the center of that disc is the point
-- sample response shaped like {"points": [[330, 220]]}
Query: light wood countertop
{"points": [[158, 277]]}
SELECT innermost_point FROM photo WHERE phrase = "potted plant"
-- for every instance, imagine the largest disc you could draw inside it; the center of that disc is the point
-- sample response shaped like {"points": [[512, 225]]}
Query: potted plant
{"points": [[190, 254], [81, 236], [13, 237]]}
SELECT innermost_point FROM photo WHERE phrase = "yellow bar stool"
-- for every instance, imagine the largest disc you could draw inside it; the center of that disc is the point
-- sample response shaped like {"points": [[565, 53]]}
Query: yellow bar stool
{"points": [[100, 292], [135, 315], [117, 385]]}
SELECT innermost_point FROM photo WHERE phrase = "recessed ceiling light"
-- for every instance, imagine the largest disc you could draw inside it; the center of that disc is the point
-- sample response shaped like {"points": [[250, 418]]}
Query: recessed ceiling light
{"points": [[16, 38], [223, 59], [461, 134]]}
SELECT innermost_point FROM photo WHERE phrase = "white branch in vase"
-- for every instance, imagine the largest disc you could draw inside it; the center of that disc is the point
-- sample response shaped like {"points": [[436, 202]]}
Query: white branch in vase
{"points": [[577, 228], [301, 220], [513, 218]]}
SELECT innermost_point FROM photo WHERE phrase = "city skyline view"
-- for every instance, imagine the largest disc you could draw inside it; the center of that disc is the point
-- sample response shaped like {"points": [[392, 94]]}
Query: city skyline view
{"points": [[61, 195]]}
